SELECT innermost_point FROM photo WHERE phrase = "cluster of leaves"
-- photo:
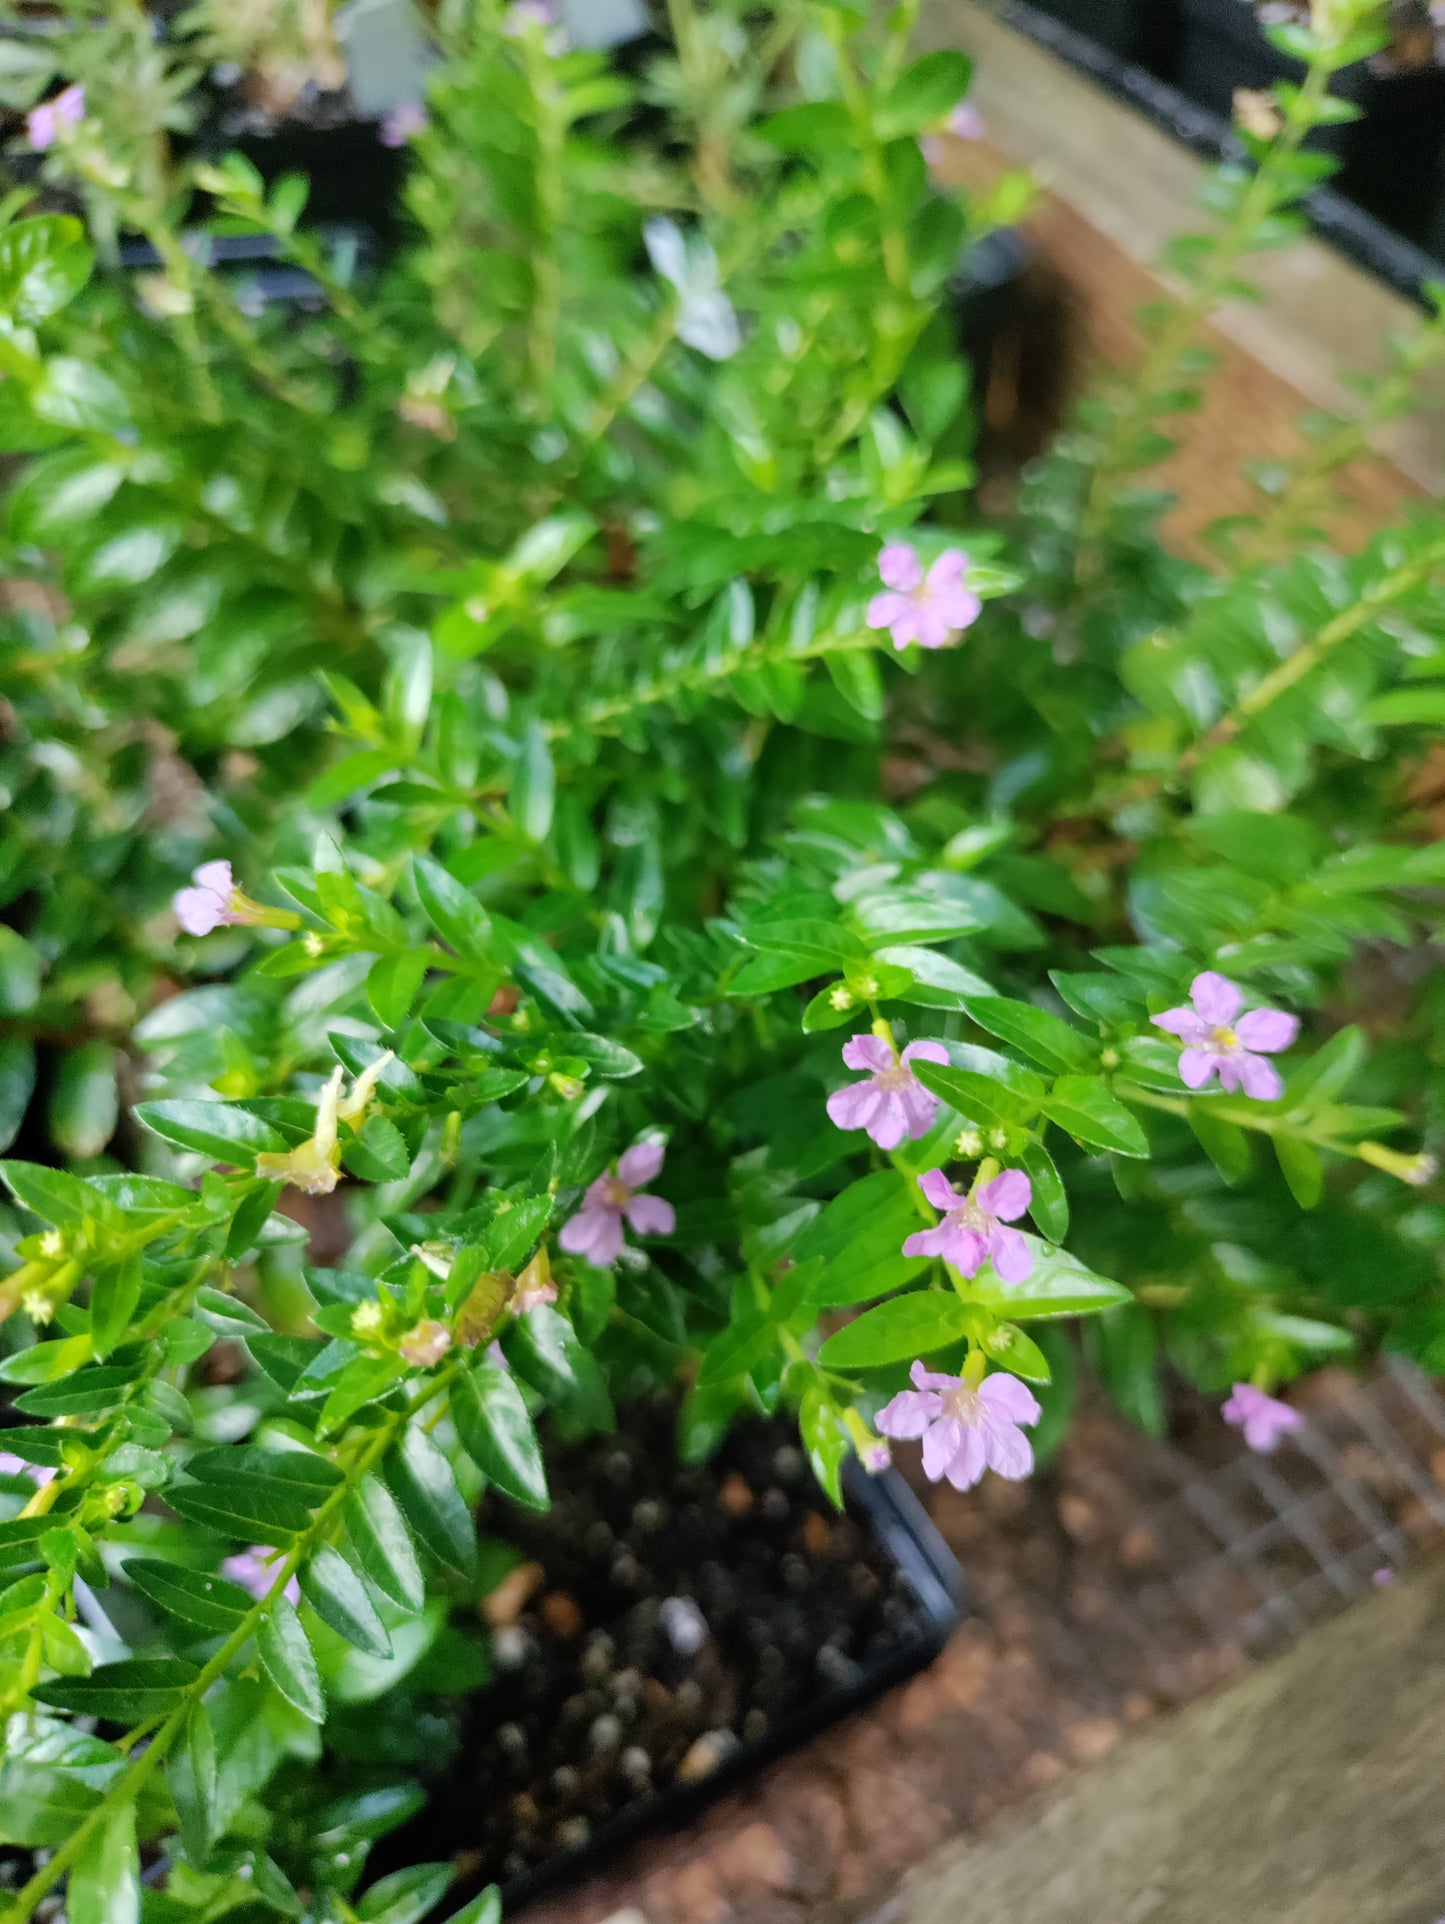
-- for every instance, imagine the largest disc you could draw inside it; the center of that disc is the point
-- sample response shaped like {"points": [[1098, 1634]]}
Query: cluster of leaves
{"points": [[506, 616]]}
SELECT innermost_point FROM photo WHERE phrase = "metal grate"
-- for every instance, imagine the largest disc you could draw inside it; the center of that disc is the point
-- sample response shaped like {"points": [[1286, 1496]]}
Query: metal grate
{"points": [[1262, 1546]]}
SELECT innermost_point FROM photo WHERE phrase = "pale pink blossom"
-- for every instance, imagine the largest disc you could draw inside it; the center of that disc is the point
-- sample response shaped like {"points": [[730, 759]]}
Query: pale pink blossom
{"points": [[1264, 1419], [1383, 1577], [963, 123], [523, 14], [875, 1456], [973, 1230], [929, 609], [402, 123], [45, 123], [1218, 1040], [209, 902], [892, 1103], [252, 1570], [596, 1230], [966, 1429], [12, 1465]]}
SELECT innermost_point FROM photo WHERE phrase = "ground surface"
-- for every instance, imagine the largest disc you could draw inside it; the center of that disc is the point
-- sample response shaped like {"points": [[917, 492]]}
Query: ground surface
{"points": [[1309, 1793]]}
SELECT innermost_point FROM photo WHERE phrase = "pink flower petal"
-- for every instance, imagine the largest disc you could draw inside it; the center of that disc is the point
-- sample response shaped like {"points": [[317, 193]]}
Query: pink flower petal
{"points": [[933, 626], [1008, 1450], [960, 608], [1196, 1066], [1267, 1030], [1184, 1023], [898, 565], [964, 1248], [947, 572], [651, 1215], [906, 626], [923, 1378], [1231, 1071], [599, 1194], [215, 876], [1260, 1078], [890, 1124], [1012, 1258], [641, 1163], [1008, 1195], [942, 1441], [1009, 1399], [909, 1414], [1216, 998], [969, 1461], [939, 1190], [885, 609], [593, 1233], [920, 1108], [867, 1052], [927, 1242], [925, 1051], [199, 911], [855, 1106]]}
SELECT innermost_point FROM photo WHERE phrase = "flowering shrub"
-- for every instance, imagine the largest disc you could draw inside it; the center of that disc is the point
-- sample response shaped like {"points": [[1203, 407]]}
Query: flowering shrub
{"points": [[531, 629]]}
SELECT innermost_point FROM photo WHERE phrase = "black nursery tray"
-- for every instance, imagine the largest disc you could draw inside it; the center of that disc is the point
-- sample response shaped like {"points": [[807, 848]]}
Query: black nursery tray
{"points": [[689, 1624]]}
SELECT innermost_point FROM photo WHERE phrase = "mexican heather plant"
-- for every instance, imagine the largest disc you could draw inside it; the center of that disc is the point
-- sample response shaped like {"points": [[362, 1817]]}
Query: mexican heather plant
{"points": [[448, 739]]}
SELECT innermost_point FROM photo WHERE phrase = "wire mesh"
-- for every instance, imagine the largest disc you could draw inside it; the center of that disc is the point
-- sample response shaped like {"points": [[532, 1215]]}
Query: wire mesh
{"points": [[1262, 1546]]}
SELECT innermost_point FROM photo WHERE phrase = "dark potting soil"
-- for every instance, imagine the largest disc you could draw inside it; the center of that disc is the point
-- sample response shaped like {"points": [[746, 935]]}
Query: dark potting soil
{"points": [[668, 1621]]}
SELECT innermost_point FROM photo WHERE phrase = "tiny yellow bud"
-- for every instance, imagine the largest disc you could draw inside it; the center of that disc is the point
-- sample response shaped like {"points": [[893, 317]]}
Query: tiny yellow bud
{"points": [[37, 1306], [840, 997], [366, 1319]]}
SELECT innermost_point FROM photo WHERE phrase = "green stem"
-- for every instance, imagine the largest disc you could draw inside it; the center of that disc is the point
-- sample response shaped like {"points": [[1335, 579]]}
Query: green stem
{"points": [[1244, 1115]]}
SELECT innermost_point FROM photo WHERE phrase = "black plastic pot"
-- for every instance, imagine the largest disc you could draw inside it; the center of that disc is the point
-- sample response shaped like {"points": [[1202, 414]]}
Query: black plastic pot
{"points": [[580, 1699], [1145, 32]]}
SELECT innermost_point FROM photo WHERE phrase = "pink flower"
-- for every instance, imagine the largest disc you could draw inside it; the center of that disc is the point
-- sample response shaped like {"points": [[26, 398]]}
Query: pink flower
{"points": [[401, 123], [523, 14], [12, 1465], [972, 1231], [208, 903], [927, 609], [963, 123], [965, 1430], [1264, 1419], [876, 1457], [1215, 1040], [892, 1103], [45, 123], [252, 1570], [1383, 1577], [596, 1230]]}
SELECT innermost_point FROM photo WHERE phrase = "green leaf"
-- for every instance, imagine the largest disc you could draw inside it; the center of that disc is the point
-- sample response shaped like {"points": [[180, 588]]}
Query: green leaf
{"points": [[40, 1806], [1049, 1204], [379, 1153], [338, 1596], [20, 972], [543, 1349], [897, 1331], [923, 94], [288, 1660], [859, 1237], [208, 1603], [1087, 1110], [497, 1434], [127, 1692], [104, 1884], [421, 1480], [191, 1780], [84, 1103], [1402, 707], [44, 263], [17, 1085], [534, 786], [1225, 1143], [85, 1393], [392, 985], [113, 1298], [1301, 1167], [215, 1129], [1043, 1037], [1126, 1350], [52, 1194], [485, 1909], [1019, 1354], [986, 1088], [246, 1507], [73, 393], [383, 1545], [405, 1896], [1058, 1285], [454, 912]]}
